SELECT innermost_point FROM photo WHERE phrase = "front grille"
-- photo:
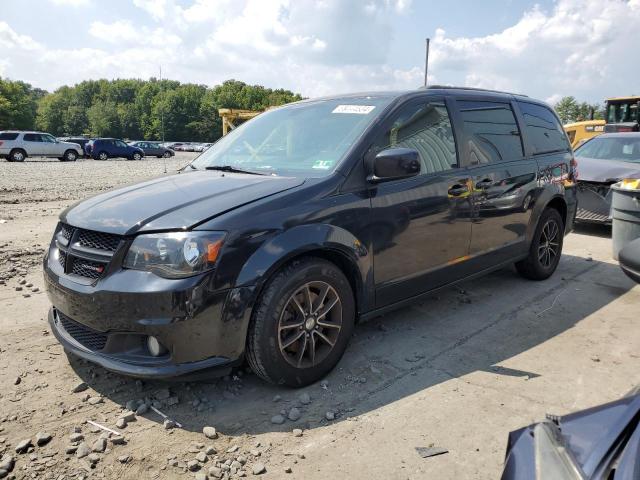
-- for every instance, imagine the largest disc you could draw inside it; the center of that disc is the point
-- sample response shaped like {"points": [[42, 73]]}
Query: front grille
{"points": [[85, 253], [83, 335], [66, 231], [87, 268], [98, 240], [62, 258]]}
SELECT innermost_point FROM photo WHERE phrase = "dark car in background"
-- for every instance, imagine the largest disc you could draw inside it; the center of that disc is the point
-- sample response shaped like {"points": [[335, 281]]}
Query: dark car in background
{"points": [[153, 149], [275, 241], [600, 443], [603, 161], [105, 148]]}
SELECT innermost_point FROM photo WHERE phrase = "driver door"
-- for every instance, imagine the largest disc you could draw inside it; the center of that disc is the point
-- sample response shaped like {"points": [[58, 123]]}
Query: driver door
{"points": [[50, 146], [421, 227]]}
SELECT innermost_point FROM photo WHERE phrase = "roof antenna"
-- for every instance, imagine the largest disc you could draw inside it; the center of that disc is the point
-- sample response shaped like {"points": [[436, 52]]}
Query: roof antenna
{"points": [[426, 63]]}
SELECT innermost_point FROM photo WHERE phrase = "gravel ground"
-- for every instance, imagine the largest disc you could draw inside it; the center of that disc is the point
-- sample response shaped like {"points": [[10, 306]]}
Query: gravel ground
{"points": [[458, 371]]}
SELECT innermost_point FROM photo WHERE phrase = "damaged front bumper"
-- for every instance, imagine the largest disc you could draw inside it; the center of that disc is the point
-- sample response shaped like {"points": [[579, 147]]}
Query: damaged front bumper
{"points": [[594, 202], [109, 322]]}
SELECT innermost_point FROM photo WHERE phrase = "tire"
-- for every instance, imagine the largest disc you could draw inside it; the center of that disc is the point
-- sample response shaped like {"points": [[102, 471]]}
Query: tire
{"points": [[136, 156], [17, 155], [70, 156], [293, 365], [103, 156], [166, 154], [546, 247]]}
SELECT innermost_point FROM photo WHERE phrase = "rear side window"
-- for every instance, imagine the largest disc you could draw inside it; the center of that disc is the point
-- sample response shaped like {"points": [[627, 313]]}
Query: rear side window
{"points": [[8, 135], [493, 132], [544, 131]]}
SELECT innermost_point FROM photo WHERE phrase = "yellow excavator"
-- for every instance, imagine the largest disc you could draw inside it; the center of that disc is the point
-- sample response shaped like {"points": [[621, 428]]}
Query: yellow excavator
{"points": [[622, 115]]}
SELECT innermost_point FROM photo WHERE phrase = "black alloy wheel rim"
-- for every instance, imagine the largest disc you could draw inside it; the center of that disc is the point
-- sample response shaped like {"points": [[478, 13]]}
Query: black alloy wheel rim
{"points": [[549, 245], [310, 324]]}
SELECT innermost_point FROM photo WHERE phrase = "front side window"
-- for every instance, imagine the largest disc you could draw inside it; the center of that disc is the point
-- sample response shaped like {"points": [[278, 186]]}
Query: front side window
{"points": [[492, 132], [307, 139], [48, 138], [424, 127], [120, 143], [544, 131]]}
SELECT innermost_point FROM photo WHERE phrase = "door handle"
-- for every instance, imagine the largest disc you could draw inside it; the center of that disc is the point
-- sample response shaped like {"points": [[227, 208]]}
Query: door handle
{"points": [[457, 189], [485, 183]]}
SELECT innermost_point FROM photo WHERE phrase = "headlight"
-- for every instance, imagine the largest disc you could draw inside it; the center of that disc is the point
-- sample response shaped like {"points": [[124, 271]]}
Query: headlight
{"points": [[175, 254]]}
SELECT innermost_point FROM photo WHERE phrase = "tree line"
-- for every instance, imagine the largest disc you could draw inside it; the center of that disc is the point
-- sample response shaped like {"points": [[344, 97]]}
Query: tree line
{"points": [[139, 109], [131, 108]]}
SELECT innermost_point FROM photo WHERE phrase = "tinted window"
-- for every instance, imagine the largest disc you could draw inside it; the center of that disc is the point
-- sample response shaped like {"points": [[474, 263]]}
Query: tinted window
{"points": [[8, 135], [424, 127], [493, 132], [544, 131], [32, 137]]}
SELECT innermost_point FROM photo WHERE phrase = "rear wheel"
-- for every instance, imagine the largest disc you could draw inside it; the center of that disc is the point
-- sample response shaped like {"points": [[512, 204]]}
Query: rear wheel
{"points": [[103, 156], [546, 247], [17, 155], [301, 324]]}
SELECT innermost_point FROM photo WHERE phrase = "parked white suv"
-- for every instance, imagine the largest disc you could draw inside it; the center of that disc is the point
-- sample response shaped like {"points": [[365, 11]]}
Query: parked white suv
{"points": [[15, 146]]}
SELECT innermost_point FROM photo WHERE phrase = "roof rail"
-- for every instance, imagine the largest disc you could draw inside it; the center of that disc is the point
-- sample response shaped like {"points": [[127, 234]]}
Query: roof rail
{"points": [[475, 89]]}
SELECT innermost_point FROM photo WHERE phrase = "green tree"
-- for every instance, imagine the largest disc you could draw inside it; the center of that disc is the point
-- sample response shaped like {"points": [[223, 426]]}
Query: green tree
{"points": [[18, 104], [569, 110]]}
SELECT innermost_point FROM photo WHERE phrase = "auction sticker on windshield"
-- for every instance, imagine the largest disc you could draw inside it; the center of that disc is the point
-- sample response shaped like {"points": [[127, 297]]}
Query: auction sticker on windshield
{"points": [[322, 164], [357, 109]]}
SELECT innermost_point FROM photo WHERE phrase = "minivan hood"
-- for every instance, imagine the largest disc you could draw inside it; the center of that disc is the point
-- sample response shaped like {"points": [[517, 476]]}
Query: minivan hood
{"points": [[173, 202]]}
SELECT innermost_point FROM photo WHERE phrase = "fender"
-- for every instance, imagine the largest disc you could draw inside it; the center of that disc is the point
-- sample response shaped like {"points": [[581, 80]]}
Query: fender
{"points": [[545, 197], [297, 241]]}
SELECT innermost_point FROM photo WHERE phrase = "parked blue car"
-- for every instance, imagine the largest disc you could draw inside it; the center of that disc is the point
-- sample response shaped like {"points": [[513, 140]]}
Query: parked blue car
{"points": [[105, 148]]}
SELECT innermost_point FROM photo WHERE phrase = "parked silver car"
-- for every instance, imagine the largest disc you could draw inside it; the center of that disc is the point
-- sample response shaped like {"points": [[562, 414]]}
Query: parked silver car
{"points": [[15, 146]]}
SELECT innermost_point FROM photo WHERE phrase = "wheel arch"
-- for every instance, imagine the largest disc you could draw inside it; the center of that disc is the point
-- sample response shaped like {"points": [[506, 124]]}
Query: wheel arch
{"points": [[557, 202], [328, 242]]}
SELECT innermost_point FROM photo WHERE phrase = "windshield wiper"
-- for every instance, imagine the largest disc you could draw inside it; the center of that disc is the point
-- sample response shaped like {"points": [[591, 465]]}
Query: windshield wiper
{"points": [[229, 168]]}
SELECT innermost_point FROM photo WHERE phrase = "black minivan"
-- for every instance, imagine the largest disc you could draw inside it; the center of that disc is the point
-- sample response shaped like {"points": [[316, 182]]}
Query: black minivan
{"points": [[274, 242]]}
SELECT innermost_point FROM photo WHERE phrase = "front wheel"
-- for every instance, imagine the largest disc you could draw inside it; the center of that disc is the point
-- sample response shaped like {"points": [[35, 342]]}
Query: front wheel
{"points": [[136, 156], [546, 247], [301, 324], [70, 156], [166, 154]]}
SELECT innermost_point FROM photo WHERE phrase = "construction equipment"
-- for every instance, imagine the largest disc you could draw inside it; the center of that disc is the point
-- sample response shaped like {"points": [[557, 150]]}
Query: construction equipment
{"points": [[580, 132], [231, 115], [623, 114]]}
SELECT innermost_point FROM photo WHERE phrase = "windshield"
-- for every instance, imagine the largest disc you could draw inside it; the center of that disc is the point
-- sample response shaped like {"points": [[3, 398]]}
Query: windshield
{"points": [[626, 149], [305, 139]]}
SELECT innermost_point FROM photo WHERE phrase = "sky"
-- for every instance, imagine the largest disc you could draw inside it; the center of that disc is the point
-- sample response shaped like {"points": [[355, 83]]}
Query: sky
{"points": [[545, 49]]}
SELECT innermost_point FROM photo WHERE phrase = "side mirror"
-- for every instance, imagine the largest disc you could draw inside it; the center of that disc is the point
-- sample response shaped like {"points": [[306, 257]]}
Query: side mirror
{"points": [[393, 164]]}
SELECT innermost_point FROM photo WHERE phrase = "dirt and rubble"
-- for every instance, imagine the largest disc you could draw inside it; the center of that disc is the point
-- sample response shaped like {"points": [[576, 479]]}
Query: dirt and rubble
{"points": [[456, 372]]}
